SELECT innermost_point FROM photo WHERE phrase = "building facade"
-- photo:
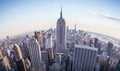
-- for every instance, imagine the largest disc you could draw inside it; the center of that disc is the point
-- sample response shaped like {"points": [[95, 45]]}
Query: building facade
{"points": [[35, 54], [84, 58], [61, 35]]}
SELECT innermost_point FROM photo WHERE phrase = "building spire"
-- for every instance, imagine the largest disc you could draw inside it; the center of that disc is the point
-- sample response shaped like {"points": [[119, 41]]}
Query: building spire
{"points": [[61, 12]]}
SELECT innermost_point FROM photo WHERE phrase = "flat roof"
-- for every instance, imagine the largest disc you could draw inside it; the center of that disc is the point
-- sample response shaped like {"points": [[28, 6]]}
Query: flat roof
{"points": [[85, 47]]}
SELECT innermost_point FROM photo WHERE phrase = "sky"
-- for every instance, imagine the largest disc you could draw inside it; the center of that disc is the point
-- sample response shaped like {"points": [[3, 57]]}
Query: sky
{"points": [[21, 16]]}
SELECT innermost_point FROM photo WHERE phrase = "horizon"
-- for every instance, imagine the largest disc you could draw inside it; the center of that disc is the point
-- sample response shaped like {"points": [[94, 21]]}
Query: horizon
{"points": [[25, 16]]}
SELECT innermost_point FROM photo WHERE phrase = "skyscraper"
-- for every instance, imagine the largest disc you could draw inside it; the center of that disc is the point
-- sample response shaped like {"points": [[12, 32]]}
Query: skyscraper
{"points": [[61, 34], [84, 58], [49, 41], [49, 46], [95, 42], [109, 48], [118, 66], [75, 27], [35, 54], [19, 58], [4, 64]]}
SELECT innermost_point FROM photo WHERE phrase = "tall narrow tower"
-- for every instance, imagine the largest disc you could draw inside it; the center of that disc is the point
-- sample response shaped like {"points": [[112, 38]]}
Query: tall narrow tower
{"points": [[61, 34]]}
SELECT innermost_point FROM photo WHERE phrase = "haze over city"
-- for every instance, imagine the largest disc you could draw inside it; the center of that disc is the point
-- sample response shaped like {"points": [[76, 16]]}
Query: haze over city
{"points": [[100, 16], [59, 35]]}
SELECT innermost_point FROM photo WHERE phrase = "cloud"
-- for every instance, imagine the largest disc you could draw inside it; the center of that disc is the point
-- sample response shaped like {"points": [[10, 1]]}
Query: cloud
{"points": [[104, 16]]}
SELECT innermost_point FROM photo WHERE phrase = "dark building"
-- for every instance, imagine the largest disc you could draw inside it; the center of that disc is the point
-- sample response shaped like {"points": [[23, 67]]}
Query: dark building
{"points": [[99, 48], [118, 66], [21, 65], [95, 42], [90, 43], [4, 64], [106, 65], [109, 48]]}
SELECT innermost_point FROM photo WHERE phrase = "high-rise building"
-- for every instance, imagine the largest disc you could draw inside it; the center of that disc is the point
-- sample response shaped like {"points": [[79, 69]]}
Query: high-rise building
{"points": [[35, 54], [75, 27], [61, 34], [4, 64], [84, 58], [109, 48], [49, 41], [95, 42], [99, 45], [49, 47], [39, 37], [118, 66], [19, 58], [44, 56]]}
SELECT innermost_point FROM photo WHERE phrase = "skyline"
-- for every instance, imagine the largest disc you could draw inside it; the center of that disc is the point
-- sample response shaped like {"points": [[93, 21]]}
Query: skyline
{"points": [[24, 16]]}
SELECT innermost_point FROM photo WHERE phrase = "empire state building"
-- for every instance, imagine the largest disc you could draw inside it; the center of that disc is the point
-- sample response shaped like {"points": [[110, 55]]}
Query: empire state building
{"points": [[61, 34]]}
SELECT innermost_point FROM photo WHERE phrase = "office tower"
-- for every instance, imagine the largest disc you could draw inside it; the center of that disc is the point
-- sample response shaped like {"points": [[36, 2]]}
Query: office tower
{"points": [[19, 58], [118, 66], [44, 56], [35, 55], [44, 40], [109, 48], [90, 43], [99, 48], [95, 42], [49, 41], [39, 38], [4, 64], [61, 35], [49, 47], [67, 29], [84, 58], [37, 35], [25, 51], [75, 27]]}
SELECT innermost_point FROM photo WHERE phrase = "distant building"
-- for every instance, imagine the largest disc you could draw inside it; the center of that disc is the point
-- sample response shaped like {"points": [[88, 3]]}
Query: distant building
{"points": [[84, 58], [49, 41], [75, 27], [44, 56], [49, 47], [95, 42], [61, 35], [99, 48], [39, 37], [109, 48]]}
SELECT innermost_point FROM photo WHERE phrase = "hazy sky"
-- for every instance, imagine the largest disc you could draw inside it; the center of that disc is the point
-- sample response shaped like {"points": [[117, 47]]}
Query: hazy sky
{"points": [[20, 16]]}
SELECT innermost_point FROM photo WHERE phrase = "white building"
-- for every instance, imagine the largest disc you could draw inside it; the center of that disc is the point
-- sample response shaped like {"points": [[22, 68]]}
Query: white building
{"points": [[35, 55], [84, 58], [48, 43], [48, 46]]}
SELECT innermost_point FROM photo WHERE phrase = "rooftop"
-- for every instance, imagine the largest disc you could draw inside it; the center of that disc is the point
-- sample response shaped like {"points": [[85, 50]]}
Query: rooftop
{"points": [[86, 47]]}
